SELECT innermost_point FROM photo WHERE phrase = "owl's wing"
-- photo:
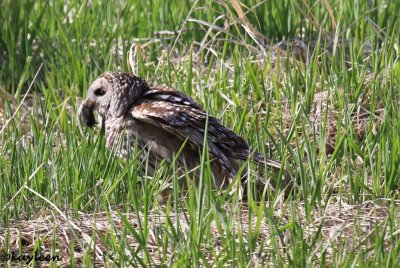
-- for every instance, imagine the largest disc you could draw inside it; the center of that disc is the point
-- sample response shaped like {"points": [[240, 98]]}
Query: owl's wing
{"points": [[231, 144], [183, 117], [172, 96], [185, 112], [174, 119]]}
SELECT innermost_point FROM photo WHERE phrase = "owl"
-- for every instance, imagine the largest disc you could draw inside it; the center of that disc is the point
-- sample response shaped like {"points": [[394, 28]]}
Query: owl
{"points": [[164, 124]]}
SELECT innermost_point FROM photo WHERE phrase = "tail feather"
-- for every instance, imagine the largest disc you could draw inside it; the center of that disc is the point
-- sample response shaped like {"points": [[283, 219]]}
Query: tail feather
{"points": [[259, 158], [286, 179]]}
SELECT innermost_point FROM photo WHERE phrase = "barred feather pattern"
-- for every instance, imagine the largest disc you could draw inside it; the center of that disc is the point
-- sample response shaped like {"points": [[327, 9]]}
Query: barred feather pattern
{"points": [[159, 120]]}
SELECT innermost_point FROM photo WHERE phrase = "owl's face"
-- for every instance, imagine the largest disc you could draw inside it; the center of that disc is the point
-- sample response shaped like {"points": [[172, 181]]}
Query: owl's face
{"points": [[99, 95], [111, 95]]}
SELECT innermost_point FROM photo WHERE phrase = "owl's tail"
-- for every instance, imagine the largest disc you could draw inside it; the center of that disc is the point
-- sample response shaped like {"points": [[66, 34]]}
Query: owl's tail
{"points": [[286, 179], [261, 159]]}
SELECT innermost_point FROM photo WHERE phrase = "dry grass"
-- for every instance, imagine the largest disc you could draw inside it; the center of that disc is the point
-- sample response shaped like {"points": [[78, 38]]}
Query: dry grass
{"points": [[343, 225]]}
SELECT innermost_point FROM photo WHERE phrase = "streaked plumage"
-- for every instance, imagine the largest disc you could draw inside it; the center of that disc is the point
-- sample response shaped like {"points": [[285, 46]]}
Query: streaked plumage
{"points": [[160, 120]]}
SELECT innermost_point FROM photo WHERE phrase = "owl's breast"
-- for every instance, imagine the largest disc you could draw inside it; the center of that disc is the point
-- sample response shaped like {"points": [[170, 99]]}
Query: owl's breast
{"points": [[114, 127]]}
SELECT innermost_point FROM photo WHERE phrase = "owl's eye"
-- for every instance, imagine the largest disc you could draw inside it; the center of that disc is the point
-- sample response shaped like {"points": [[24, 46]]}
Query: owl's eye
{"points": [[99, 92]]}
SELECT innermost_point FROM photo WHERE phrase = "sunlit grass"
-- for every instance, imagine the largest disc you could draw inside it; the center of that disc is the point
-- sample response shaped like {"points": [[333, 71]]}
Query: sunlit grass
{"points": [[211, 55]]}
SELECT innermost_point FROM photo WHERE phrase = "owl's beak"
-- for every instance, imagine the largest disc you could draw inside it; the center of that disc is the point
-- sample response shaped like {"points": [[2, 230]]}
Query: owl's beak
{"points": [[86, 113]]}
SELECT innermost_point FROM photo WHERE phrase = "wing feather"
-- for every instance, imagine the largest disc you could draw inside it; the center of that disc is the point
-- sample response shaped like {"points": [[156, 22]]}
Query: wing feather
{"points": [[182, 116], [176, 120]]}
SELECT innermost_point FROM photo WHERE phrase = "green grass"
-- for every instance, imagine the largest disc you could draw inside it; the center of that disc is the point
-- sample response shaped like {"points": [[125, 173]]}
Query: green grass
{"points": [[353, 192]]}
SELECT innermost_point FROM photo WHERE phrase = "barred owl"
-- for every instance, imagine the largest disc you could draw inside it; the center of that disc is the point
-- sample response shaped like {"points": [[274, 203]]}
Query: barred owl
{"points": [[161, 121]]}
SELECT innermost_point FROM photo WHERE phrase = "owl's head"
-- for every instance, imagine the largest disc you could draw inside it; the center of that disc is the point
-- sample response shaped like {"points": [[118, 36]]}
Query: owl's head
{"points": [[111, 95]]}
